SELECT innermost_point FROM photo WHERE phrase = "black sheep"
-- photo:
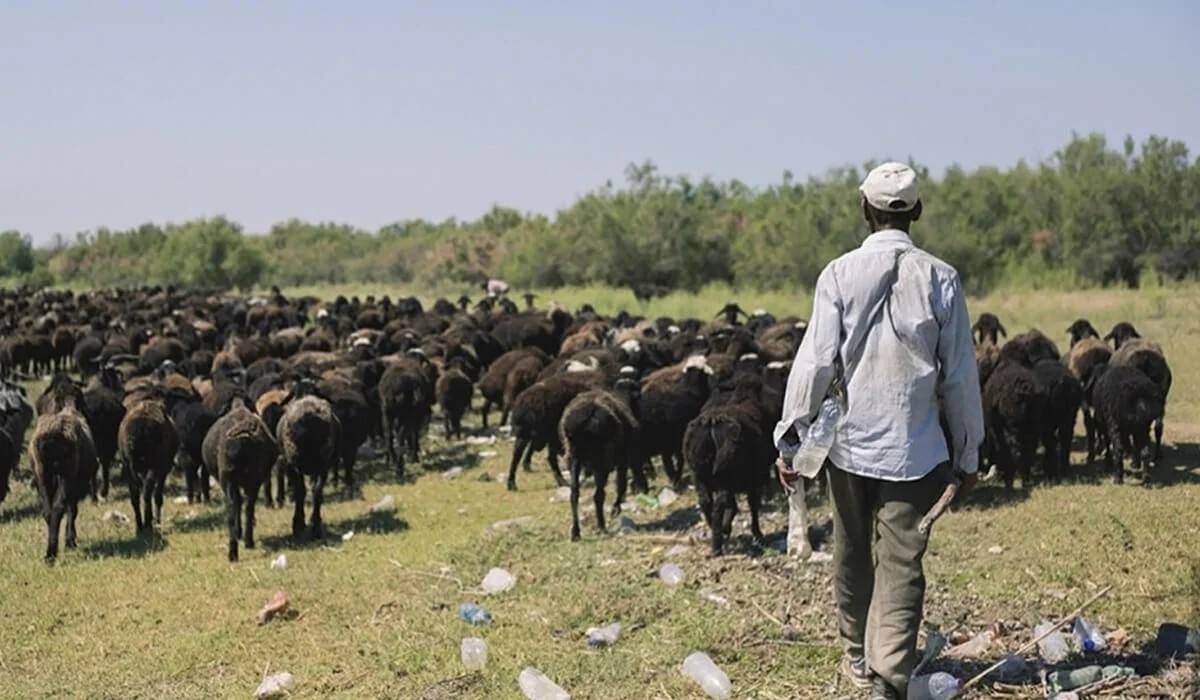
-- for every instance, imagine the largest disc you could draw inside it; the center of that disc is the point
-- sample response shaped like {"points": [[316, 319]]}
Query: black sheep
{"points": [[63, 459], [535, 417], [148, 442], [105, 412], [1127, 403], [1064, 396], [241, 452], [454, 391], [670, 399], [308, 435]]}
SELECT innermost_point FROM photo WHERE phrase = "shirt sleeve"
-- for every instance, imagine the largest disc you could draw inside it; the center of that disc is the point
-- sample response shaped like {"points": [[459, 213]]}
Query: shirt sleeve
{"points": [[812, 369], [960, 380]]}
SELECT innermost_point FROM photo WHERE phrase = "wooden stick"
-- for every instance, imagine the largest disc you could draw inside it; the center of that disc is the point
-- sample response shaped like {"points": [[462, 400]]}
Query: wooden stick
{"points": [[1034, 642]]}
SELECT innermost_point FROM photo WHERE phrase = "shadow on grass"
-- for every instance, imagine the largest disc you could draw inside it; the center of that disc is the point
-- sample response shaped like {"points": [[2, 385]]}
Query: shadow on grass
{"points": [[209, 520], [21, 512], [385, 522], [681, 519], [136, 547], [1180, 464]]}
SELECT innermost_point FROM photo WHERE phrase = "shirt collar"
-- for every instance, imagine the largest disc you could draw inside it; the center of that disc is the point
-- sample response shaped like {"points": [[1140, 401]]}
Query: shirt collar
{"points": [[886, 236]]}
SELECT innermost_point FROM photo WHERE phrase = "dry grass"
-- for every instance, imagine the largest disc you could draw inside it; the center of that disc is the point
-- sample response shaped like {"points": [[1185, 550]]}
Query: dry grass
{"points": [[377, 615]]}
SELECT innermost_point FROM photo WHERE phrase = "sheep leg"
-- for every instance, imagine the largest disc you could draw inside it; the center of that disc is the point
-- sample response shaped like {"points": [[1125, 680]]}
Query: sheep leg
{"points": [[1116, 447], [722, 513], [504, 415], [574, 466], [389, 435], [135, 490], [484, 410], [522, 445], [620, 486], [189, 474], [1089, 427], [672, 471], [148, 500], [552, 457], [298, 487], [281, 474], [601, 476], [1065, 433], [232, 507], [105, 468], [317, 530], [251, 500], [72, 514], [53, 512], [754, 498], [204, 477], [160, 484], [1158, 433], [349, 459]]}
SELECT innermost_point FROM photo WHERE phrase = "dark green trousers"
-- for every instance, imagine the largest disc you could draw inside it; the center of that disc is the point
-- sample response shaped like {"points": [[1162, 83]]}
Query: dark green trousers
{"points": [[880, 595]]}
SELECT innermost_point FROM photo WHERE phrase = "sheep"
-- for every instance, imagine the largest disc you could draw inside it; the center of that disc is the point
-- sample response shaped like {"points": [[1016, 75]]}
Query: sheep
{"points": [[494, 385], [669, 401], [148, 441], [1087, 353], [105, 413], [1015, 408], [192, 420], [728, 452], [241, 452], [16, 413], [1130, 349], [599, 432], [988, 329], [308, 435], [1127, 402], [356, 415], [535, 417], [406, 395], [1064, 396], [64, 461], [454, 392]]}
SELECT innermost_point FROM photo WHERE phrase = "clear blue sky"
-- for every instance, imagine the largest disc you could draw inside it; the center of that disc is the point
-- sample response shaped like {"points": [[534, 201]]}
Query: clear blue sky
{"points": [[116, 113]]}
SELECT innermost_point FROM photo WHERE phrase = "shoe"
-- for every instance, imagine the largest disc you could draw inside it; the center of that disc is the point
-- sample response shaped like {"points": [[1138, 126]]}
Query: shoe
{"points": [[855, 671], [881, 690]]}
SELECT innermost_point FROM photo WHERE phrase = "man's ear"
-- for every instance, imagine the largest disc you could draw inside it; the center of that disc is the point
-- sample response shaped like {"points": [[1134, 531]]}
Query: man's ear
{"points": [[916, 212], [866, 210]]}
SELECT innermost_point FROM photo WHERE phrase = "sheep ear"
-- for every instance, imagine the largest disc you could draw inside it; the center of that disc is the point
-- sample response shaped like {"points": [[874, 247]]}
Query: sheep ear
{"points": [[1003, 332], [1110, 336]]}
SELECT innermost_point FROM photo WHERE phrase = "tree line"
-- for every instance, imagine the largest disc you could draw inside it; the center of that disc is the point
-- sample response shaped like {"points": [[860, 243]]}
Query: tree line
{"points": [[1090, 215]]}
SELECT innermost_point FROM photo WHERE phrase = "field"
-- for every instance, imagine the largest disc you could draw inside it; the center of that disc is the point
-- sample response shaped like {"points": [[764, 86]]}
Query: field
{"points": [[376, 616]]}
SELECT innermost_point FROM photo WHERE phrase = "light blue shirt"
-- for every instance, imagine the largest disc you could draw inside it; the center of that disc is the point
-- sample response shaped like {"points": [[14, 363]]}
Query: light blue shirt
{"points": [[890, 427]]}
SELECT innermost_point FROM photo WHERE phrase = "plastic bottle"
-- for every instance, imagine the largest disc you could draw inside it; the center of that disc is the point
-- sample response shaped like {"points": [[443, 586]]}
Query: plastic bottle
{"points": [[974, 647], [474, 653], [274, 685], [935, 686], [280, 562], [670, 574], [537, 686], [498, 581], [667, 496], [472, 614], [384, 503], [604, 636], [1087, 635], [711, 679], [815, 445], [797, 532], [1053, 649]]}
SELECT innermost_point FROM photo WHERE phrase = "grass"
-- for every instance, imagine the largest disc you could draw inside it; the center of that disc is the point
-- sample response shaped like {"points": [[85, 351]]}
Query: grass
{"points": [[376, 616]]}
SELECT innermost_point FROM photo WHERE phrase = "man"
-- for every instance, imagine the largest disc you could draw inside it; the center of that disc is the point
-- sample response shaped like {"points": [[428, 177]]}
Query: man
{"points": [[896, 318]]}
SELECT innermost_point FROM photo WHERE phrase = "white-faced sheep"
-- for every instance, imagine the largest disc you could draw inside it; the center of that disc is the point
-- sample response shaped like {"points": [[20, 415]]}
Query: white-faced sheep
{"points": [[599, 432], [63, 458]]}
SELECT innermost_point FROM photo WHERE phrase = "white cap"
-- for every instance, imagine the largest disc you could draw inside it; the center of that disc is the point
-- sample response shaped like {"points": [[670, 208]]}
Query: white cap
{"points": [[891, 187]]}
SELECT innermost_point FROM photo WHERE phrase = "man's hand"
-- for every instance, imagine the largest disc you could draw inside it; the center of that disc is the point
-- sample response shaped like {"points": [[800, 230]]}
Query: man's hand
{"points": [[787, 477]]}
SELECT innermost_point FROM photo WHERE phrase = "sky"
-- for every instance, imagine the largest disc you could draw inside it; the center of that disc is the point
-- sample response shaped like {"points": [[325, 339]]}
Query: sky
{"points": [[366, 112]]}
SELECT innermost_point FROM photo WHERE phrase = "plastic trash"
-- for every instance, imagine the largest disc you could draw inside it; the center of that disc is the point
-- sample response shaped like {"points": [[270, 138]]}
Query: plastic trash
{"points": [[498, 581], [678, 550], [180, 500], [1013, 668], [935, 686], [346, 536], [711, 679], [1069, 679], [646, 500], [277, 604], [453, 473], [488, 454], [1087, 635], [714, 597], [1177, 640], [385, 503], [670, 574], [275, 685], [667, 496], [935, 642], [797, 532], [472, 614], [1053, 649], [474, 653], [815, 445], [603, 636], [561, 494], [975, 647], [279, 562], [537, 686]]}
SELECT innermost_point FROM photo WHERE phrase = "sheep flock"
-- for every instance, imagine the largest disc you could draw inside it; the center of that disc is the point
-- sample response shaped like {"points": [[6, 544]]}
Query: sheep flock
{"points": [[275, 398]]}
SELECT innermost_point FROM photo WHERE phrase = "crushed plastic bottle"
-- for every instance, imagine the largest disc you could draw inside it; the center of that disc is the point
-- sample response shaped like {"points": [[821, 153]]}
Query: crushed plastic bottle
{"points": [[275, 685], [670, 574], [498, 581], [818, 440], [279, 562], [603, 636], [797, 533], [1013, 668], [472, 614], [677, 550], [474, 653], [537, 686], [1069, 679], [711, 679], [1087, 635], [385, 503], [646, 500], [453, 473], [935, 686], [975, 647], [1053, 649], [562, 494], [714, 597], [667, 496]]}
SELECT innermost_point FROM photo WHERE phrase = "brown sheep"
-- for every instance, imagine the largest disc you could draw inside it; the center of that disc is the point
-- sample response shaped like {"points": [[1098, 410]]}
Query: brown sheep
{"points": [[240, 451], [64, 463], [147, 441]]}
